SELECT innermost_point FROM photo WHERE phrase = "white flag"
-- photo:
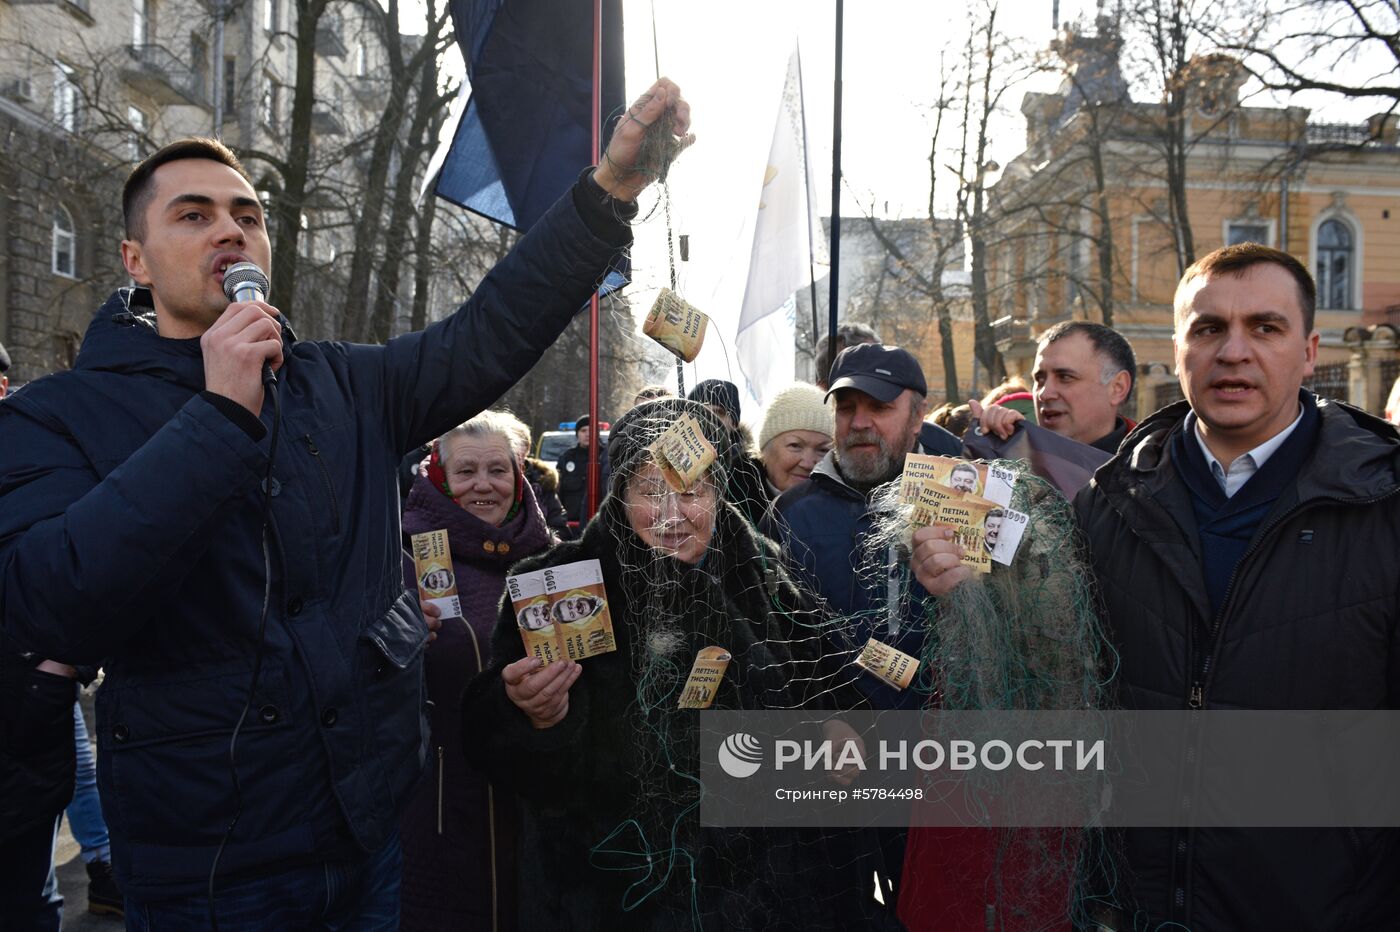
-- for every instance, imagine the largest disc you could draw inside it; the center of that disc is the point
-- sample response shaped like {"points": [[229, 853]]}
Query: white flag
{"points": [[782, 253]]}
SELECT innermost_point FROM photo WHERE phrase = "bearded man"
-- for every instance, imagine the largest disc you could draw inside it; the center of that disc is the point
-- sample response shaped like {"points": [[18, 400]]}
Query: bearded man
{"points": [[823, 524]]}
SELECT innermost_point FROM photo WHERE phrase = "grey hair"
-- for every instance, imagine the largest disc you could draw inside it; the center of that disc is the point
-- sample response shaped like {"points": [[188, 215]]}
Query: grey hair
{"points": [[501, 424], [1115, 351]]}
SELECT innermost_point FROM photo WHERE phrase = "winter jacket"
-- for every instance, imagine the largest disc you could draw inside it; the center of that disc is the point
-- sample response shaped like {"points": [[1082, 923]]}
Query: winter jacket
{"points": [[1110, 441], [748, 486], [131, 531], [573, 481], [606, 793], [1309, 621], [825, 528], [36, 744], [544, 480], [938, 441], [459, 832]]}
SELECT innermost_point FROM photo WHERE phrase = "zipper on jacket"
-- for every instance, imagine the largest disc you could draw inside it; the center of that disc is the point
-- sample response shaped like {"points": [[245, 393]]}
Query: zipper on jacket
{"points": [[490, 808], [1201, 681], [330, 489], [439, 757]]}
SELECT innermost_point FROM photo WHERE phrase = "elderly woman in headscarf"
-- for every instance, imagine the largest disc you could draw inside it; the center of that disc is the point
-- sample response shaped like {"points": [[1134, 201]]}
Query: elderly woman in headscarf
{"points": [[604, 759], [458, 832]]}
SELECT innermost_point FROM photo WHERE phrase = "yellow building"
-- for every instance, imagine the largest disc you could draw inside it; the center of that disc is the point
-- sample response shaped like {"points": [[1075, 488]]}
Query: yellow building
{"points": [[1063, 243]]}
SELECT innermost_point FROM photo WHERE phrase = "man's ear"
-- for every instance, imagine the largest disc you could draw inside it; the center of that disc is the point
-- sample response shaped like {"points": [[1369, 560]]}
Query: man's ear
{"points": [[1119, 387], [134, 260], [1310, 354], [918, 405]]}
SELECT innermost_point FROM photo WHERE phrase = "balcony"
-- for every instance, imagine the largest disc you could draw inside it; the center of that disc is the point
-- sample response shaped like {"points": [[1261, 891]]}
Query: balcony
{"points": [[155, 71], [78, 9], [326, 122], [368, 88], [329, 33], [1013, 337], [1339, 134]]}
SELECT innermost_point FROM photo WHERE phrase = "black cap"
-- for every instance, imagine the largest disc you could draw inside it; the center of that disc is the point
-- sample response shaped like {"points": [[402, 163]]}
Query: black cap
{"points": [[723, 395], [4, 359], [880, 371], [582, 422]]}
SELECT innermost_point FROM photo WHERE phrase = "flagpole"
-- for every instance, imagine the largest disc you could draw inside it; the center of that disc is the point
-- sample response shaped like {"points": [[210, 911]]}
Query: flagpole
{"points": [[835, 249], [595, 426], [806, 189]]}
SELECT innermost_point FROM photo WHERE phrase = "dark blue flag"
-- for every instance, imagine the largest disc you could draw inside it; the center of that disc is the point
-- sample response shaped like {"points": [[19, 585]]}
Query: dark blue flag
{"points": [[525, 134], [1066, 464]]}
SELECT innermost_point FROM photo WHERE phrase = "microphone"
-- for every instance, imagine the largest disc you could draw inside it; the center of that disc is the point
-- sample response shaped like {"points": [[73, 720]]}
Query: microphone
{"points": [[244, 281]]}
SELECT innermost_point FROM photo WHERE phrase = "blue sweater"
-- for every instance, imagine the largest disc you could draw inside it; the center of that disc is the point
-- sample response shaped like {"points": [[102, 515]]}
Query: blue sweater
{"points": [[1225, 527]]}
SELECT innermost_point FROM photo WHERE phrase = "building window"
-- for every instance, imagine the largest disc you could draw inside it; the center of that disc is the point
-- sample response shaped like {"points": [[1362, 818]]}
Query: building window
{"points": [[65, 96], [65, 243], [199, 65], [142, 22], [1076, 261], [1247, 231], [136, 142], [271, 102], [270, 14], [230, 86], [1334, 266]]}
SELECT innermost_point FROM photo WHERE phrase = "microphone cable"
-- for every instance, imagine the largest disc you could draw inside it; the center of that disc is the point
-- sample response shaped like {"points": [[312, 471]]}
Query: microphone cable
{"points": [[273, 388]]}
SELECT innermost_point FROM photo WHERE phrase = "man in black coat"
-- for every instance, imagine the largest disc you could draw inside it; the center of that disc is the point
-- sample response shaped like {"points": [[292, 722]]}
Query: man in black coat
{"points": [[1244, 545], [573, 474], [1083, 374], [36, 773]]}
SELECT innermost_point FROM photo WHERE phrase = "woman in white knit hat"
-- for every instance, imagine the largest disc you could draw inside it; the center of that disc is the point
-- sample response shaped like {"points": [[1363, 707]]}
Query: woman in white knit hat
{"points": [[796, 434]]}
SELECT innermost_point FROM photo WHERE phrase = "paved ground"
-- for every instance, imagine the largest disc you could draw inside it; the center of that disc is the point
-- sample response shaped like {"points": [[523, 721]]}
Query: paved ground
{"points": [[72, 876]]}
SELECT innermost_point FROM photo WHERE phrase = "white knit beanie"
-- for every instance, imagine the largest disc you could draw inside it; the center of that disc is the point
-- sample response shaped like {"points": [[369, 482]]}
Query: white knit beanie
{"points": [[798, 407]]}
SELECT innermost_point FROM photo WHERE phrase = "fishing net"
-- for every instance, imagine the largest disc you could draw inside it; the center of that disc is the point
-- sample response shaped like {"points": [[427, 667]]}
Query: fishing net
{"points": [[1025, 637], [656, 866]]}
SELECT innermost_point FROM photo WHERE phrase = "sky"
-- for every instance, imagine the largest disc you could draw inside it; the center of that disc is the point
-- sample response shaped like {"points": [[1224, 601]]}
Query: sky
{"points": [[729, 58]]}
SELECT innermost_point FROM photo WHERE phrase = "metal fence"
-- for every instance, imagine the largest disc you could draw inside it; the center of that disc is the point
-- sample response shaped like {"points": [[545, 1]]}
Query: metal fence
{"points": [[1341, 134], [1165, 394], [1331, 381], [1390, 371]]}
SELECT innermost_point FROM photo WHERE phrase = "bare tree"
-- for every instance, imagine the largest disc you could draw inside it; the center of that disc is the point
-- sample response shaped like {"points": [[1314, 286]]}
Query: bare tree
{"points": [[294, 164], [1068, 196], [429, 112], [983, 88], [1346, 47], [404, 73]]}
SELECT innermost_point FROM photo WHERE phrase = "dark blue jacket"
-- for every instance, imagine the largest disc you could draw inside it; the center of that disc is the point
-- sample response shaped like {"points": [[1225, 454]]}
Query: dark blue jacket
{"points": [[131, 533], [825, 527]]}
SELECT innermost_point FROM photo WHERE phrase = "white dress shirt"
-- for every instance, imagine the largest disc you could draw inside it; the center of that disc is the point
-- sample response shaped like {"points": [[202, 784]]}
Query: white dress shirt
{"points": [[1233, 477]]}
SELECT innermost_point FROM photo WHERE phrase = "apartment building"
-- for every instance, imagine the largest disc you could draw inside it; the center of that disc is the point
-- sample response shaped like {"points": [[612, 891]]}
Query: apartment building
{"points": [[89, 87]]}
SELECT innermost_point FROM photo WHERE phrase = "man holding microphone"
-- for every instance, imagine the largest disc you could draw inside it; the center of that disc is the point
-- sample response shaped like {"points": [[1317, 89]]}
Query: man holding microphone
{"points": [[228, 545]]}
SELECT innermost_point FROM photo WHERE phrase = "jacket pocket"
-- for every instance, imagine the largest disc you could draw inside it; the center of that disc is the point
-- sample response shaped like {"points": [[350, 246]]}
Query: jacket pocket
{"points": [[321, 475], [38, 709], [165, 761], [391, 684], [400, 635]]}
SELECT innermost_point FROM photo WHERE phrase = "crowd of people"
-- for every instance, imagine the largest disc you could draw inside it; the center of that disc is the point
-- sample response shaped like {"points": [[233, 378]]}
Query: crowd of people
{"points": [[288, 737]]}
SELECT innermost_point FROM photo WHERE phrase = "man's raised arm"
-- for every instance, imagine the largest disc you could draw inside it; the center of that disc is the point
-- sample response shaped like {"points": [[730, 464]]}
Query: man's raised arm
{"points": [[435, 379]]}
